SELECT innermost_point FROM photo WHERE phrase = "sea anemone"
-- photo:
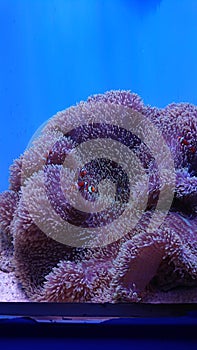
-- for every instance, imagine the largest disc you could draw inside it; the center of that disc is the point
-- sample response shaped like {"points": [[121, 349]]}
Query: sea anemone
{"points": [[102, 204]]}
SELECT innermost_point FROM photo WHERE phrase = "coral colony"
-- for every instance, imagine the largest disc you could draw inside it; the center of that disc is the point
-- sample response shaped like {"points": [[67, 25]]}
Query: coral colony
{"points": [[81, 224]]}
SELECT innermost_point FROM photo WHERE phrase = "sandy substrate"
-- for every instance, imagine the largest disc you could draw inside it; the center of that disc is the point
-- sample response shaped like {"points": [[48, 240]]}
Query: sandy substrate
{"points": [[9, 289], [173, 296]]}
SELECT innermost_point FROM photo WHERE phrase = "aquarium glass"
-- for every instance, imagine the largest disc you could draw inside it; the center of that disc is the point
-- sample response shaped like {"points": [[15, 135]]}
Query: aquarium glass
{"points": [[98, 185]]}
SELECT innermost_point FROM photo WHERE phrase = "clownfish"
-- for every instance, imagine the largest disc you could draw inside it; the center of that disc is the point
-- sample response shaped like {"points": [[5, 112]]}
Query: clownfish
{"points": [[82, 173], [186, 143]]}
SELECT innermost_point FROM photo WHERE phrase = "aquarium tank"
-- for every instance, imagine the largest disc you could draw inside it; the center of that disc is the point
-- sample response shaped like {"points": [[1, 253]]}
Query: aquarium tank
{"points": [[98, 186]]}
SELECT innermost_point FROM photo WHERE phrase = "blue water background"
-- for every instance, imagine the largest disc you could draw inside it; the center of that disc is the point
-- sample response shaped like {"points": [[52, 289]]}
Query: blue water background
{"points": [[54, 53]]}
